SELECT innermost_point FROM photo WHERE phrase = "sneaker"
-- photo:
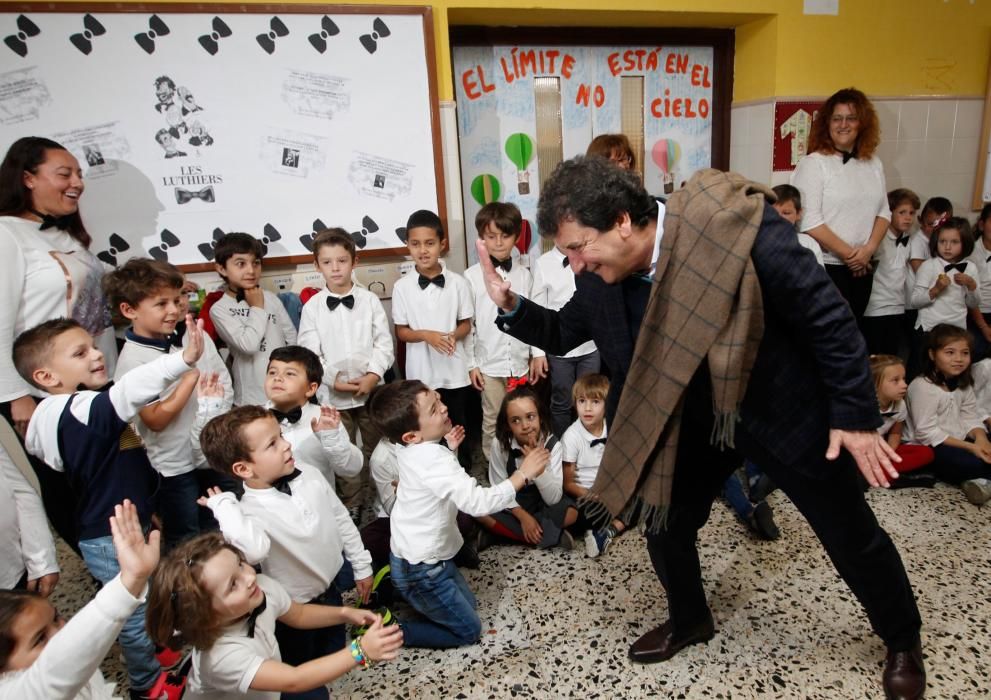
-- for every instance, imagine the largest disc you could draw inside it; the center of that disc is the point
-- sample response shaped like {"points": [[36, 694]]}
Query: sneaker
{"points": [[566, 541], [597, 542], [169, 686], [761, 521], [167, 658], [977, 491]]}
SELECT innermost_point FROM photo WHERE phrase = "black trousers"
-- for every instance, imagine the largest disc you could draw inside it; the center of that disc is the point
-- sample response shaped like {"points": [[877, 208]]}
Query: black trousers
{"points": [[856, 290], [458, 402], [834, 506], [56, 494]]}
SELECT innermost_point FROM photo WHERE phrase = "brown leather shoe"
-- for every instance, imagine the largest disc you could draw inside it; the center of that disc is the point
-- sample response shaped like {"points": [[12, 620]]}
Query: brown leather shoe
{"points": [[905, 674], [660, 644]]}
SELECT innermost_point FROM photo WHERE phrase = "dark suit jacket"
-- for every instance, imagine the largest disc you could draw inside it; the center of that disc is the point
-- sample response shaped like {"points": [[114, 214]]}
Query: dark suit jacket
{"points": [[811, 372]]}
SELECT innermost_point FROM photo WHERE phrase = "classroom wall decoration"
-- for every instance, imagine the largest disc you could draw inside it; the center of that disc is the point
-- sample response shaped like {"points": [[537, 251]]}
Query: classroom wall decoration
{"points": [[275, 120], [496, 113], [792, 125]]}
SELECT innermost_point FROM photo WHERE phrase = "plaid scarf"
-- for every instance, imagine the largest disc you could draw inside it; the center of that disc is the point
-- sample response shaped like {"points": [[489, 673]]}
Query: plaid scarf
{"points": [[705, 305]]}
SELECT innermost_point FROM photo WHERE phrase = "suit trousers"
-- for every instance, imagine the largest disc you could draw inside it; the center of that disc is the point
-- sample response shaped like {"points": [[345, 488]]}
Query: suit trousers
{"points": [[833, 504]]}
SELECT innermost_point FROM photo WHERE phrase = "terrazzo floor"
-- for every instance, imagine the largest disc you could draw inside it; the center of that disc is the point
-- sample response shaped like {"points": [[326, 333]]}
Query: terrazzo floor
{"points": [[556, 624]]}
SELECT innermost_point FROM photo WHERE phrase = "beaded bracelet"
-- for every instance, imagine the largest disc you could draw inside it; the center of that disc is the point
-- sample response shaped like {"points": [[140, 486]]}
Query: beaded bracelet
{"points": [[357, 653]]}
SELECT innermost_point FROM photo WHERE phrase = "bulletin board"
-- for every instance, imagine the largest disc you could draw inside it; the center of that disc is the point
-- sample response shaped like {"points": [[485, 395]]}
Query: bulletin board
{"points": [[191, 122]]}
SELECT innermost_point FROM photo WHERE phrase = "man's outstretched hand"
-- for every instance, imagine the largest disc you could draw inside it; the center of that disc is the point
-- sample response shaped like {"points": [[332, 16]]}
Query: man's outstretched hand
{"points": [[495, 285]]}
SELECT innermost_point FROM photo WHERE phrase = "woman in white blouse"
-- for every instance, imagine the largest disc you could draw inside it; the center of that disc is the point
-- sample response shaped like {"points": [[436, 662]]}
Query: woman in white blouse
{"points": [[48, 272], [843, 192]]}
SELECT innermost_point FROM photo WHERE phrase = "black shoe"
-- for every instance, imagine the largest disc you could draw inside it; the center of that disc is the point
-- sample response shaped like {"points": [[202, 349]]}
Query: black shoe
{"points": [[467, 557], [905, 674], [761, 521], [661, 643]]}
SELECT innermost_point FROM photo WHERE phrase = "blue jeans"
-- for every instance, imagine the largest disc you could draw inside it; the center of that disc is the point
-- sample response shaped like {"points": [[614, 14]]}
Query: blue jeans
{"points": [[177, 505], [734, 492], [139, 652], [440, 593]]}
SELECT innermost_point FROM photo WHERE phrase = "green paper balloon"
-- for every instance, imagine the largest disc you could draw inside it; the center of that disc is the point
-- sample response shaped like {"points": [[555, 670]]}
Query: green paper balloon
{"points": [[485, 189], [519, 148]]}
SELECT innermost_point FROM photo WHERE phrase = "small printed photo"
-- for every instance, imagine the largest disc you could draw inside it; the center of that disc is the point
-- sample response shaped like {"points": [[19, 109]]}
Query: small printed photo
{"points": [[167, 141], [290, 157], [379, 181], [93, 155]]}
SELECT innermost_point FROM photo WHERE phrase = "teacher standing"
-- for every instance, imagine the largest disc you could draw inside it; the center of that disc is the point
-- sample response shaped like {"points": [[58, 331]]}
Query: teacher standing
{"points": [[48, 272], [844, 198]]}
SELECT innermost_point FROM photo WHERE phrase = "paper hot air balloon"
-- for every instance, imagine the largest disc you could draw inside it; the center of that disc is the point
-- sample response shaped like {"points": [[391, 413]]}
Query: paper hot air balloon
{"points": [[485, 189], [665, 154], [519, 148]]}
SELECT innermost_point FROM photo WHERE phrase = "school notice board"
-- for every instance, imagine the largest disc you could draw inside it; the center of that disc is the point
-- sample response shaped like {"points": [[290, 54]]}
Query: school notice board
{"points": [[191, 123]]}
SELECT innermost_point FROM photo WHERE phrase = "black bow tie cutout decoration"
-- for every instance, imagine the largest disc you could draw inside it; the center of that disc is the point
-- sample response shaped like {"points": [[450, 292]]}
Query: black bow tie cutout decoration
{"points": [[91, 28], [307, 238], [25, 29], [379, 31], [402, 234], [206, 194], [117, 246], [269, 235], [156, 28], [327, 29], [206, 249], [368, 226], [209, 41], [276, 29], [160, 252]]}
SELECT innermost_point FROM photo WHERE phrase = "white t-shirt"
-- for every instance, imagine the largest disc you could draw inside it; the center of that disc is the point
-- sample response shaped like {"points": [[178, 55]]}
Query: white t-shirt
{"points": [[888, 289], [918, 249], [434, 309], [846, 197], [553, 286], [897, 412], [951, 304], [225, 670], [981, 257], [981, 372], [577, 448], [807, 241]]}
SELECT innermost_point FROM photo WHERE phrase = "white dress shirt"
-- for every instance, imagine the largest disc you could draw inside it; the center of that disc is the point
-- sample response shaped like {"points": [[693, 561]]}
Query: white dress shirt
{"points": [[434, 309], [897, 412], [891, 265], [935, 414], [251, 334], [950, 306], [553, 286], [981, 257], [432, 489], [918, 249], [384, 468], [297, 539], [349, 342], [981, 372], [495, 353], [25, 541], [330, 451], [550, 483], [577, 448]]}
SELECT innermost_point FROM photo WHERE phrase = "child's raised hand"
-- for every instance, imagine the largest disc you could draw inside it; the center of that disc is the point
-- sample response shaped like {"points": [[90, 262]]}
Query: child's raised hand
{"points": [[210, 493], [329, 419], [535, 461], [382, 643], [455, 436], [942, 282], [137, 558], [965, 281], [194, 348], [210, 386]]}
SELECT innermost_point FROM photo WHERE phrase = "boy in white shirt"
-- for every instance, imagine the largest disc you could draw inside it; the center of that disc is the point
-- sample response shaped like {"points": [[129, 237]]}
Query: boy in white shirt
{"points": [[425, 536], [553, 287], [432, 311], [346, 326], [251, 321], [27, 551], [289, 521], [315, 432], [497, 362], [148, 293]]}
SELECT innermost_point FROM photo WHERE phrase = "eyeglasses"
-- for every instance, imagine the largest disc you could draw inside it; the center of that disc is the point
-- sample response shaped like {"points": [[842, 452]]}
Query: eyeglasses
{"points": [[848, 118], [625, 161]]}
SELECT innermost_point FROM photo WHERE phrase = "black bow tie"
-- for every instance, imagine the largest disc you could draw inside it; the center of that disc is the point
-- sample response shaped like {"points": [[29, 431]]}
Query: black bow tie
{"points": [[282, 483], [506, 264], [516, 452], [889, 414], [952, 383], [239, 295], [848, 156], [334, 302], [253, 616], [175, 340], [105, 387], [960, 267], [597, 441], [902, 240], [565, 262], [62, 223], [987, 260], [292, 415], [425, 281]]}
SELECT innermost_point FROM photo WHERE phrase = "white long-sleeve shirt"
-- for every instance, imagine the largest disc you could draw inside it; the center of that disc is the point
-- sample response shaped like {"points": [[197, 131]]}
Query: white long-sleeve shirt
{"points": [[69, 665], [888, 289], [553, 286], [935, 414], [330, 451], [550, 483], [251, 334], [950, 306], [297, 539], [981, 372], [432, 489], [384, 468], [981, 257], [25, 541], [350, 342]]}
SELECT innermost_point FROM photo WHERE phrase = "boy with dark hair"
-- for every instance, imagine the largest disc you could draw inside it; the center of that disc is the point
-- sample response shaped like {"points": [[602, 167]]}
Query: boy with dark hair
{"points": [[148, 293], [496, 360], [432, 311], [346, 327], [83, 429], [251, 321], [289, 521], [315, 432], [425, 535], [789, 206]]}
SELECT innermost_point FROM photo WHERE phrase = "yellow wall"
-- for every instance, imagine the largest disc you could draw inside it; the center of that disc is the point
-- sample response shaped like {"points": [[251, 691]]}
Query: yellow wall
{"points": [[884, 47]]}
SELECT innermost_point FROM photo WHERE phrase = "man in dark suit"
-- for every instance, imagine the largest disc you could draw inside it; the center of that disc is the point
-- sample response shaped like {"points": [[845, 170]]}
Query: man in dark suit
{"points": [[808, 415]]}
